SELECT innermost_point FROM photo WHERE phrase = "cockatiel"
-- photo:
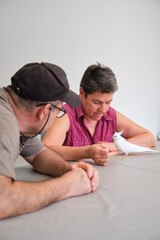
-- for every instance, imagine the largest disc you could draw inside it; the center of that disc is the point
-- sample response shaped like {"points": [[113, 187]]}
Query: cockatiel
{"points": [[127, 147]]}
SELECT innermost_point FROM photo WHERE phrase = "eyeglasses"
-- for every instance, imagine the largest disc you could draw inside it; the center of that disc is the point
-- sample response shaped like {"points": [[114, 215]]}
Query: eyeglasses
{"points": [[60, 114]]}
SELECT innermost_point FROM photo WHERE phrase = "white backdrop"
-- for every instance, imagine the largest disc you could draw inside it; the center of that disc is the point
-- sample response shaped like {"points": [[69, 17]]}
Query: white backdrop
{"points": [[123, 35]]}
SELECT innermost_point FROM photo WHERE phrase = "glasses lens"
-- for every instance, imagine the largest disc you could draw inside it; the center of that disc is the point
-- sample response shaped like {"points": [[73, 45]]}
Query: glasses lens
{"points": [[60, 114]]}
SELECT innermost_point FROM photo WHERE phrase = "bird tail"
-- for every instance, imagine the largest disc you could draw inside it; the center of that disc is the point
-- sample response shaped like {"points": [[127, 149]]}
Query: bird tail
{"points": [[151, 150]]}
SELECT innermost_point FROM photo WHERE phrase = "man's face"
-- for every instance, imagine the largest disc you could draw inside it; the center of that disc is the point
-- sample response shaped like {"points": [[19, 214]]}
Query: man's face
{"points": [[95, 105], [54, 113]]}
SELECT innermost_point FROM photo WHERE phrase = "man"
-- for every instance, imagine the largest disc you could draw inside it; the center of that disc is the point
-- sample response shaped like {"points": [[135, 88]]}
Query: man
{"points": [[86, 131], [27, 108]]}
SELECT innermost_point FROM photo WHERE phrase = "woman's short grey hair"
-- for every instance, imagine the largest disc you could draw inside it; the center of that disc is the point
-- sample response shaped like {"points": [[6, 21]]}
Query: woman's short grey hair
{"points": [[98, 78]]}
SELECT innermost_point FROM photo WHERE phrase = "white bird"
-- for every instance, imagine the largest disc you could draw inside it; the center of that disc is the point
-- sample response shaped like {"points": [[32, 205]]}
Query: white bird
{"points": [[127, 147]]}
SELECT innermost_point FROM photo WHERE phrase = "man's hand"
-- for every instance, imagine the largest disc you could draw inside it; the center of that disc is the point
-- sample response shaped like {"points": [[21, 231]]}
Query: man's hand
{"points": [[75, 183], [91, 173], [101, 151]]}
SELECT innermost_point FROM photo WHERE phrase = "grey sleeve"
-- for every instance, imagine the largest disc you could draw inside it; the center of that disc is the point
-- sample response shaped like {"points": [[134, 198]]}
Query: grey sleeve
{"points": [[9, 145], [31, 147]]}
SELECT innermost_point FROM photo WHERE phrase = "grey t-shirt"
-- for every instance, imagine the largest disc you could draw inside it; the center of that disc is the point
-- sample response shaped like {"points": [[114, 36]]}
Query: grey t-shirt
{"points": [[10, 145]]}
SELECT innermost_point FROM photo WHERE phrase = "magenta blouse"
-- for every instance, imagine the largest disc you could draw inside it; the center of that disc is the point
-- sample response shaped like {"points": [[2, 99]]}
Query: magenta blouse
{"points": [[79, 135]]}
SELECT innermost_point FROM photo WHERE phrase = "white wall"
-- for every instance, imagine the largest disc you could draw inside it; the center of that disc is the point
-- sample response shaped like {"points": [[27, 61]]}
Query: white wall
{"points": [[122, 34]]}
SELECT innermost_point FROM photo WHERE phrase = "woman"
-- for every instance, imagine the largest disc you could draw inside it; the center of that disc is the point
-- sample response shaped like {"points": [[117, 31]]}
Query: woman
{"points": [[86, 131]]}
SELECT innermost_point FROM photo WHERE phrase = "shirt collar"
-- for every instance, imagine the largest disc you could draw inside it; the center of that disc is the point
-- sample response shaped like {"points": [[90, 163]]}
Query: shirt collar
{"points": [[107, 116], [79, 111]]}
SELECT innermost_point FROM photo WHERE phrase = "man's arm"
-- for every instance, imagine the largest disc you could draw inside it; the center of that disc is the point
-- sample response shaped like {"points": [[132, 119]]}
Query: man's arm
{"points": [[51, 163], [18, 197]]}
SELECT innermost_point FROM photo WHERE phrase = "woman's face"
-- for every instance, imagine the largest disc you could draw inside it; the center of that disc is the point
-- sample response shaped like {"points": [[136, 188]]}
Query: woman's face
{"points": [[95, 105]]}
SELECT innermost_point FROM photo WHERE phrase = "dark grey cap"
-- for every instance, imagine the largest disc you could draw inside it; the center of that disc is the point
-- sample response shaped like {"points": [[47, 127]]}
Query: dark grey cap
{"points": [[44, 82]]}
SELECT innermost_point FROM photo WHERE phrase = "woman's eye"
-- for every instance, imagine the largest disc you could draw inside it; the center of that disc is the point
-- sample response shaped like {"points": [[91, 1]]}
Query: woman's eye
{"points": [[96, 102]]}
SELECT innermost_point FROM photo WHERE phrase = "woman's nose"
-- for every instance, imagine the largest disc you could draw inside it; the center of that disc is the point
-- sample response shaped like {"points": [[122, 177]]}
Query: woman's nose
{"points": [[102, 108]]}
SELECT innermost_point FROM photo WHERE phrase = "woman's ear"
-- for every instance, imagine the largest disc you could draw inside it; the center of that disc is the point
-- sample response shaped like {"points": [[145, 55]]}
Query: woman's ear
{"points": [[43, 111], [81, 92]]}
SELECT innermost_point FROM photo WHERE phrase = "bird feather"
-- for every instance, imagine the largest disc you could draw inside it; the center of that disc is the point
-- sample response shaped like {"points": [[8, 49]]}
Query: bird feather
{"points": [[127, 147]]}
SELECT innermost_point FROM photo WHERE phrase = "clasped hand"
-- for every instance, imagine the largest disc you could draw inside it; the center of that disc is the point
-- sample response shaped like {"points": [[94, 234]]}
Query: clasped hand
{"points": [[101, 151], [92, 174]]}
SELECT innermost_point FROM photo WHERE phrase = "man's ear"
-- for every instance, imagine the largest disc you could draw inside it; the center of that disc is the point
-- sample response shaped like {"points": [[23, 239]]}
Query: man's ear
{"points": [[43, 111]]}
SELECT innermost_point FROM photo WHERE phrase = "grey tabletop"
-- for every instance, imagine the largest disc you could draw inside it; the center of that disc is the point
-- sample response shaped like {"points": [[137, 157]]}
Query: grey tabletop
{"points": [[126, 205]]}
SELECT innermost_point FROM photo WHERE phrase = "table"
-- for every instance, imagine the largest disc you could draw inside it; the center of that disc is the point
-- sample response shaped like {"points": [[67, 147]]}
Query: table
{"points": [[125, 206]]}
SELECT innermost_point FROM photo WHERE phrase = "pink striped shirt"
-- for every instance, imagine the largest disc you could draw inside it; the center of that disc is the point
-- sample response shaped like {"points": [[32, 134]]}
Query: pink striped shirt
{"points": [[79, 135]]}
